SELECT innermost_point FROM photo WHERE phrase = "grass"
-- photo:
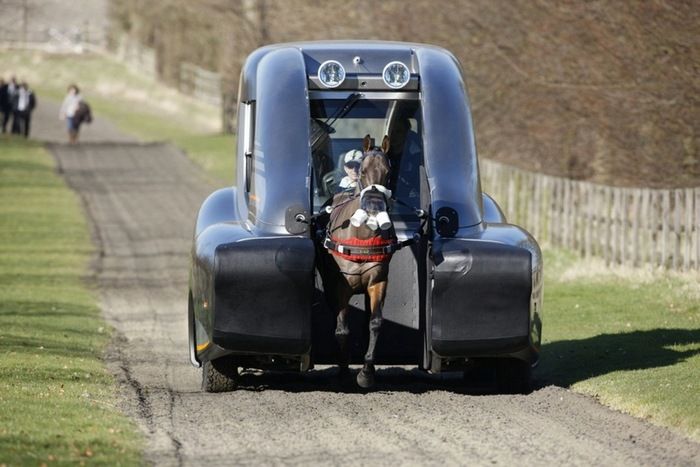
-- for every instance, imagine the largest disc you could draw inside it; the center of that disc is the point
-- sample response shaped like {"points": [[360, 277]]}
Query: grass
{"points": [[134, 102], [56, 398], [630, 338]]}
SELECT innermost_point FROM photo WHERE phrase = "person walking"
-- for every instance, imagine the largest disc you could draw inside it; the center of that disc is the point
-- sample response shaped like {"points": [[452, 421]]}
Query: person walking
{"points": [[8, 113], [70, 106], [24, 104], [5, 104]]}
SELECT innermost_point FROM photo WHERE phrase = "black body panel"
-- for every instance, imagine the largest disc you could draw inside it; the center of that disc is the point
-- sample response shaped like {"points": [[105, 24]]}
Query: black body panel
{"points": [[480, 297], [262, 295]]}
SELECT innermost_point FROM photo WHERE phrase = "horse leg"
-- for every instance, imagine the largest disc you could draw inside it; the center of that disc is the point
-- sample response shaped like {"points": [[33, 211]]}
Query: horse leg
{"points": [[342, 332], [376, 292], [342, 335]]}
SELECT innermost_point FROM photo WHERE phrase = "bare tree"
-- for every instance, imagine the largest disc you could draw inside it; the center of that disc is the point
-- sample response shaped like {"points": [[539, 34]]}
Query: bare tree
{"points": [[581, 89]]}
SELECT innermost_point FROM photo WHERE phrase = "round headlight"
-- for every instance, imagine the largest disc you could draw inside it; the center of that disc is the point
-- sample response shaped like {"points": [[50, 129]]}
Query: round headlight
{"points": [[331, 74], [396, 75]]}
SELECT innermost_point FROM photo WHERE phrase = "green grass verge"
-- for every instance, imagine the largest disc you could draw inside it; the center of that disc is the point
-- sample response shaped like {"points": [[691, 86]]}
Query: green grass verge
{"points": [[56, 398], [214, 152], [627, 337], [136, 103]]}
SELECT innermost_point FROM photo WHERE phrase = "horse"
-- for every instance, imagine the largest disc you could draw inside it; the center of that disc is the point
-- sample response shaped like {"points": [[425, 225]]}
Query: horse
{"points": [[360, 241]]}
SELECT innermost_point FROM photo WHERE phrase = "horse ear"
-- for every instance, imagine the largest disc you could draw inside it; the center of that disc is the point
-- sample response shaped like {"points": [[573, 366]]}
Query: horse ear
{"points": [[385, 144], [367, 143]]}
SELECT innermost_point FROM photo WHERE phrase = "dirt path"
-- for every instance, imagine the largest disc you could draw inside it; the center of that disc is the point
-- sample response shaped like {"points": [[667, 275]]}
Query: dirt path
{"points": [[47, 127], [142, 200]]}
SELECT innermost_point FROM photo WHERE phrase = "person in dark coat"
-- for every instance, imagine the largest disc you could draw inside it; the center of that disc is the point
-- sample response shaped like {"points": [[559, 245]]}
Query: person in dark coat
{"points": [[7, 92], [24, 103], [4, 104]]}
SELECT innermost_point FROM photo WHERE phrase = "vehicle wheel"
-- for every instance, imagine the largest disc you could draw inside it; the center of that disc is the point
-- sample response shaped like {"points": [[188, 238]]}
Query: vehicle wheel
{"points": [[219, 376], [513, 376]]}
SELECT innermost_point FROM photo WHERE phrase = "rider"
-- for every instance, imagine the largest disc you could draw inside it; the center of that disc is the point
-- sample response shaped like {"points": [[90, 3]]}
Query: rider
{"points": [[351, 165]]}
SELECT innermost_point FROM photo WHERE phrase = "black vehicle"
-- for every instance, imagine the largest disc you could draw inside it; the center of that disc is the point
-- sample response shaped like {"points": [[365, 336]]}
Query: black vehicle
{"points": [[467, 291]]}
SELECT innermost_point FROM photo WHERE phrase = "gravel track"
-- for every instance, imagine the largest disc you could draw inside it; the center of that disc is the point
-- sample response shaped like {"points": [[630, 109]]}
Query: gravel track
{"points": [[141, 200]]}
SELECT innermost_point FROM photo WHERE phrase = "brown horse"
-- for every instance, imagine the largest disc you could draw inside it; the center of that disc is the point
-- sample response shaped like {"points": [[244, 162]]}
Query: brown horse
{"points": [[361, 240]]}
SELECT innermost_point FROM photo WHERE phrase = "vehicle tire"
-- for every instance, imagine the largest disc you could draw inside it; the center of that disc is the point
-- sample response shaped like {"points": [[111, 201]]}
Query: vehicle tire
{"points": [[219, 376], [513, 376]]}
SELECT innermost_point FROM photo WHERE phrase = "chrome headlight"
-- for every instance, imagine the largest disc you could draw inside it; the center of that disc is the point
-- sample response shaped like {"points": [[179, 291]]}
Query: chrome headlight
{"points": [[331, 74], [396, 75]]}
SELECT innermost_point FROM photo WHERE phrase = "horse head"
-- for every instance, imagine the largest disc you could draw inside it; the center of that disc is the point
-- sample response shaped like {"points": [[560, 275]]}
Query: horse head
{"points": [[374, 174]]}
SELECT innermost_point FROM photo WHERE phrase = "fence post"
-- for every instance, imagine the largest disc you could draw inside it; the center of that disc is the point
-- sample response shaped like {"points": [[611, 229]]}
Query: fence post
{"points": [[645, 240], [696, 225], [624, 231], [688, 229], [665, 227], [636, 194], [676, 237]]}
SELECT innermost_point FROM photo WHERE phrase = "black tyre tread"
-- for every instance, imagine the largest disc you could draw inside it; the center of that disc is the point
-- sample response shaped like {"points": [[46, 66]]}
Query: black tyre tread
{"points": [[219, 377]]}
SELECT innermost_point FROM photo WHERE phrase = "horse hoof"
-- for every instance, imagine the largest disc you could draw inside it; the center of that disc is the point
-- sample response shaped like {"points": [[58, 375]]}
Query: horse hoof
{"points": [[365, 379]]}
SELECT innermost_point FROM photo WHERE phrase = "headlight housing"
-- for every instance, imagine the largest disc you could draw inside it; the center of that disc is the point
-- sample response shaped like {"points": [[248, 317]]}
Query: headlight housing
{"points": [[396, 75], [331, 73]]}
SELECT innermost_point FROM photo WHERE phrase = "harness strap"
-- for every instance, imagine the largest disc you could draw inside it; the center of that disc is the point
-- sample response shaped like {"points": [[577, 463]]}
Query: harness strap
{"points": [[361, 253]]}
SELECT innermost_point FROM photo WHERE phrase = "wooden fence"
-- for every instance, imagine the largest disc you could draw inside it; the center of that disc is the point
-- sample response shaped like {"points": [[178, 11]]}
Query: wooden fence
{"points": [[200, 83], [631, 226], [192, 80], [137, 57]]}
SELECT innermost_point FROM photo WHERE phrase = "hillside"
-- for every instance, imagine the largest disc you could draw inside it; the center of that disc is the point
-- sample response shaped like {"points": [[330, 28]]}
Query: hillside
{"points": [[609, 94], [600, 91]]}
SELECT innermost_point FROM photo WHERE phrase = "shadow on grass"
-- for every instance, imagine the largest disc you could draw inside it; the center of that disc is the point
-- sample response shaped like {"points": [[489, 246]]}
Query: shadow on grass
{"points": [[51, 328], [45, 345], [567, 362], [50, 310]]}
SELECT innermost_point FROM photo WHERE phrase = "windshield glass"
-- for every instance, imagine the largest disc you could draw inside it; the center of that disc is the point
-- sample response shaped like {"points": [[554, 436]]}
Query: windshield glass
{"points": [[334, 156]]}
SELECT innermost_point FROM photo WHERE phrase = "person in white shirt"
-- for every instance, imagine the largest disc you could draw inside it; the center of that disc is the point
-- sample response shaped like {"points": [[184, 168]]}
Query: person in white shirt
{"points": [[70, 106]]}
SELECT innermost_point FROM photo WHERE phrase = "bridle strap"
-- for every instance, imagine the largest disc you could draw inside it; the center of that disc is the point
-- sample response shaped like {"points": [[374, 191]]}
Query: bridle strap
{"points": [[380, 188]]}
